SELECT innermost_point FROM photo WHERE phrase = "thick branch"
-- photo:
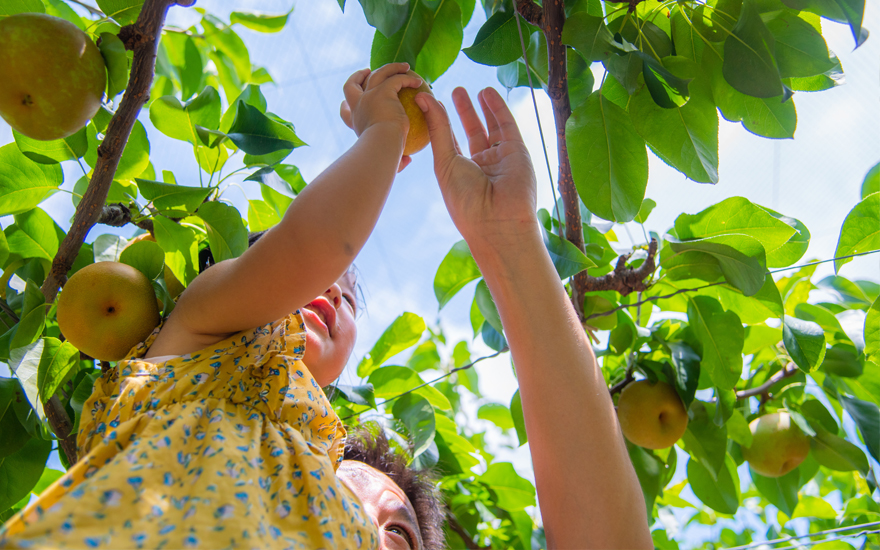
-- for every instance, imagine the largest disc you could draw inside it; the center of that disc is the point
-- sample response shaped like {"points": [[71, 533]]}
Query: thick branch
{"points": [[789, 370], [531, 12], [117, 215], [143, 38], [624, 279], [465, 537]]}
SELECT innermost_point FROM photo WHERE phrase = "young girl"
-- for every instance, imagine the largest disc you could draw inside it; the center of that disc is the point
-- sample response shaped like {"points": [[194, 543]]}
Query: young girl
{"points": [[216, 434]]}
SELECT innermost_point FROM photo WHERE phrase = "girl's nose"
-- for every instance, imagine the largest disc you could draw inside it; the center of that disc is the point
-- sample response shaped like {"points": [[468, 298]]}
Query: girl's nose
{"points": [[334, 294]]}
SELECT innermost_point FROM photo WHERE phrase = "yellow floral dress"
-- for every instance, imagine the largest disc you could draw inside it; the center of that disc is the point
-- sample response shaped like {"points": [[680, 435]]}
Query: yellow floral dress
{"points": [[234, 446]]}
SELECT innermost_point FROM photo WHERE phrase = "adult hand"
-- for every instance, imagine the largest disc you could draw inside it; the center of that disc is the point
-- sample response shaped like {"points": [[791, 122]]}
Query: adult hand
{"points": [[371, 98], [490, 196]]}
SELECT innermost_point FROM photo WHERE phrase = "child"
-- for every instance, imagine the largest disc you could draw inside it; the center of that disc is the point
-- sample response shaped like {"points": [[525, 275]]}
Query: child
{"points": [[214, 433]]}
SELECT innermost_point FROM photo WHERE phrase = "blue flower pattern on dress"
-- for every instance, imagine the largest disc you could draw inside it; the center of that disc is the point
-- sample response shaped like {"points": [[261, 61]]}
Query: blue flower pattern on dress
{"points": [[234, 446]]}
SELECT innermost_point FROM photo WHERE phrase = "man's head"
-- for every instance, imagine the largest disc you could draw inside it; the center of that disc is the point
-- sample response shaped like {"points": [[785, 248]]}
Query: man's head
{"points": [[404, 503]]}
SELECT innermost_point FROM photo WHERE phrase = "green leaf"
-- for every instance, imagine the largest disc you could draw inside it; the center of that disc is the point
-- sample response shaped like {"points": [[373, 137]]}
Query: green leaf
{"points": [[125, 12], [24, 183], [735, 215], [782, 492], [257, 134], [116, 61], [497, 42], [666, 89], [386, 16], [358, 395], [871, 183], [11, 7], [738, 428], [703, 439], [688, 42], [135, 157], [749, 62], [649, 471], [497, 414], [393, 380], [872, 330], [81, 394], [173, 200], [20, 472], [721, 493], [55, 151], [580, 80], [685, 371], [804, 341], [443, 44], [740, 257], [854, 11], [516, 413], [417, 415], [227, 235], [800, 49], [836, 453], [145, 256], [794, 248], [513, 492], [227, 41], [33, 317], [867, 417], [179, 56], [179, 121], [860, 231], [484, 301], [261, 215], [588, 35], [767, 117], [33, 235], [57, 364], [814, 507], [181, 249], [721, 337], [609, 162], [107, 248], [260, 22], [402, 334], [24, 362], [14, 434], [645, 210], [456, 270], [566, 257]]}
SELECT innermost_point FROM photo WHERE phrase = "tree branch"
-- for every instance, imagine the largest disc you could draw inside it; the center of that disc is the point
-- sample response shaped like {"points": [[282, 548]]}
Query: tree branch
{"points": [[117, 215], [789, 370], [624, 279], [531, 12], [143, 38], [464, 535]]}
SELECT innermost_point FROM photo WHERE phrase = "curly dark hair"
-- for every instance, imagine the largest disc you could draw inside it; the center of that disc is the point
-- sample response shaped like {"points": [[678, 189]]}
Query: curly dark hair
{"points": [[371, 447]]}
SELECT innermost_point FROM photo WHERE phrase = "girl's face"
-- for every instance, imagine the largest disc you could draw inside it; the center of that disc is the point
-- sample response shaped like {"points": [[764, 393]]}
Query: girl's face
{"points": [[330, 330]]}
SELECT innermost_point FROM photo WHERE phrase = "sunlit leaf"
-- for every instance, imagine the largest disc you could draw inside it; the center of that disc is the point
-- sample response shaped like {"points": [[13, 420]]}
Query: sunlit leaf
{"points": [[456, 270], [860, 231], [402, 334]]}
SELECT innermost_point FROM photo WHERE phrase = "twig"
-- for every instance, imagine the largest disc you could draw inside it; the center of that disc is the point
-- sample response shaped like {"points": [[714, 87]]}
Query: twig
{"points": [[117, 215], [8, 311], [429, 382], [625, 280], [789, 370], [531, 12], [617, 388], [143, 38], [466, 537]]}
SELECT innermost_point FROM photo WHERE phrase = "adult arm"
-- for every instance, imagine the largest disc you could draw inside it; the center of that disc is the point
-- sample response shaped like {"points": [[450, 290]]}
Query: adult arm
{"points": [[322, 230], [587, 488]]}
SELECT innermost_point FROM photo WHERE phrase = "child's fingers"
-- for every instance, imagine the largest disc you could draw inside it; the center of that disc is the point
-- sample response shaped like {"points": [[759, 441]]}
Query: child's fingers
{"points": [[439, 128], [400, 81], [384, 72], [354, 86], [473, 126], [503, 116], [345, 113]]}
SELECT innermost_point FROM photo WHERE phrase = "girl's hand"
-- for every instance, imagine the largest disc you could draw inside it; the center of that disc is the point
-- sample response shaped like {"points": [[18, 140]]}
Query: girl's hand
{"points": [[490, 196], [371, 100]]}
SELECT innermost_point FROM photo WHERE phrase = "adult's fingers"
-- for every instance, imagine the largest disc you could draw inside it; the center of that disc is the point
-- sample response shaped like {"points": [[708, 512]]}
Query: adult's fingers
{"points": [[473, 126], [384, 72], [404, 162], [439, 128], [354, 86], [491, 122], [345, 114], [506, 122]]}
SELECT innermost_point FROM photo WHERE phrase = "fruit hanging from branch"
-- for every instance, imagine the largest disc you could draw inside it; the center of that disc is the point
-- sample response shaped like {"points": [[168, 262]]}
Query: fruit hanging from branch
{"points": [[651, 415], [106, 308], [778, 445], [53, 76]]}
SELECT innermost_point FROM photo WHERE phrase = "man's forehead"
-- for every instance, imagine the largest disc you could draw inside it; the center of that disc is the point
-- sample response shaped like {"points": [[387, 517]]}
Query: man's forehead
{"points": [[366, 478]]}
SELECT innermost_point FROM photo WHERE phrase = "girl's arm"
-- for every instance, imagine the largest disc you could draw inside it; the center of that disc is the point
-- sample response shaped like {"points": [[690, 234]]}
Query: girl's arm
{"points": [[321, 232], [588, 491]]}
